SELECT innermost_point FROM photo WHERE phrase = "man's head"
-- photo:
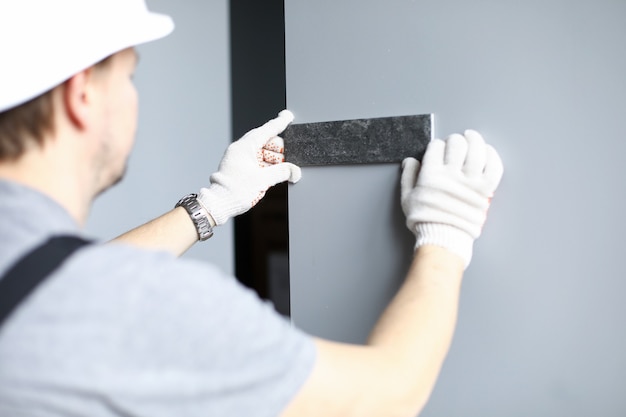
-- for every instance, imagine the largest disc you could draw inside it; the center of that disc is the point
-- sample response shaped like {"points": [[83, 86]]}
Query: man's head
{"points": [[25, 125], [68, 107], [102, 102], [45, 43]]}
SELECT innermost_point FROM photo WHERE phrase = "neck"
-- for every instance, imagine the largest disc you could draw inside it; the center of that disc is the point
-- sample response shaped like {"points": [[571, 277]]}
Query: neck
{"points": [[57, 172]]}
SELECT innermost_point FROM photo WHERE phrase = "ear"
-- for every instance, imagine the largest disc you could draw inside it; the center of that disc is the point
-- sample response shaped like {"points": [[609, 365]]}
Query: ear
{"points": [[78, 98]]}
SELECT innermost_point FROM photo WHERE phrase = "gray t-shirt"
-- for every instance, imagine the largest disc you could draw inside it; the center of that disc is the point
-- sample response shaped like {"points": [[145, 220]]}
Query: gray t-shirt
{"points": [[119, 331]]}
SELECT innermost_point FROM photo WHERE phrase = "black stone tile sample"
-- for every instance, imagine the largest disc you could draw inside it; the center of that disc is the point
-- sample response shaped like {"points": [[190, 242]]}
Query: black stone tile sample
{"points": [[358, 141]]}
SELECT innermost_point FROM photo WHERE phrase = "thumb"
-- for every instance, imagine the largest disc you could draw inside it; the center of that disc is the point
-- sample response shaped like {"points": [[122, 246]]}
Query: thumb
{"points": [[278, 173]]}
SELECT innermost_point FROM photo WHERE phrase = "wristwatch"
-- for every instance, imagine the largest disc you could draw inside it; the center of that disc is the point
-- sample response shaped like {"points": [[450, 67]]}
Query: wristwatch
{"points": [[198, 214]]}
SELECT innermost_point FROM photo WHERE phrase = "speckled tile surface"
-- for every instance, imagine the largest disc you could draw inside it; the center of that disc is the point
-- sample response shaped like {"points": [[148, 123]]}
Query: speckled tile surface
{"points": [[358, 141]]}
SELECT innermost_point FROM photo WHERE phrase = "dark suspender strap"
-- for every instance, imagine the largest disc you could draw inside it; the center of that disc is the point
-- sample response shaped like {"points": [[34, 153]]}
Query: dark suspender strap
{"points": [[32, 269]]}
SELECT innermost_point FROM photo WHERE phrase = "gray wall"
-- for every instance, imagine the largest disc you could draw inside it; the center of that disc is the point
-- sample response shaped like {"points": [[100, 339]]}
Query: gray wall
{"points": [[541, 328], [184, 125]]}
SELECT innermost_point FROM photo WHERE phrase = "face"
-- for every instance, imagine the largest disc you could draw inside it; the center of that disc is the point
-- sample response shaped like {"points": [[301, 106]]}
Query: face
{"points": [[117, 115]]}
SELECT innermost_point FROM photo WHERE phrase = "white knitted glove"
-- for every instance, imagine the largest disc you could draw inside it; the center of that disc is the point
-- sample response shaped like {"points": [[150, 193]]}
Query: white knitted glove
{"points": [[249, 167], [446, 201]]}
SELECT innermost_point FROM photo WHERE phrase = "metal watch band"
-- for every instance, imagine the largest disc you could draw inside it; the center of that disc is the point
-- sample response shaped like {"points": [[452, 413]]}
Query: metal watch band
{"points": [[198, 215]]}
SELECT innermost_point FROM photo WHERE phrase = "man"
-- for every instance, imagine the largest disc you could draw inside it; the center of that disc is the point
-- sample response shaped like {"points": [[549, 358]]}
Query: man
{"points": [[126, 328]]}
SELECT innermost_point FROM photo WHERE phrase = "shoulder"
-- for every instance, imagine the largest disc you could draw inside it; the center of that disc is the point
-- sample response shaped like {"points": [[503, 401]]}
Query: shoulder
{"points": [[137, 278], [124, 316]]}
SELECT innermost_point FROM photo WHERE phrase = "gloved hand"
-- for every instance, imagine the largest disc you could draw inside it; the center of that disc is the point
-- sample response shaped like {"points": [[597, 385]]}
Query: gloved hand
{"points": [[249, 167], [446, 201]]}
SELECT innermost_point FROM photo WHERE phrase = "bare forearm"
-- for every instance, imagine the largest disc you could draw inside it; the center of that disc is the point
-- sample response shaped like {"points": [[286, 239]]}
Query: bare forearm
{"points": [[416, 329], [395, 372], [173, 232]]}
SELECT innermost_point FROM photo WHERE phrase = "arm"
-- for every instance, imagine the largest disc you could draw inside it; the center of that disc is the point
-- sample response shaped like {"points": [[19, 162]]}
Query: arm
{"points": [[173, 232], [395, 372], [249, 167]]}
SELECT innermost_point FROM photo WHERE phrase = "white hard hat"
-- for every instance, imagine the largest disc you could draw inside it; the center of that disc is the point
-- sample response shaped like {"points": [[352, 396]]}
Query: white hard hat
{"points": [[45, 42]]}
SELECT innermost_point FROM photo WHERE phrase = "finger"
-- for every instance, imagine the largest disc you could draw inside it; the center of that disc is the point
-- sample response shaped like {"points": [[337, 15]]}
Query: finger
{"points": [[282, 172], [274, 127], [408, 179], [434, 153], [494, 169], [259, 157], [272, 157], [264, 158], [275, 144], [476, 153], [456, 151]]}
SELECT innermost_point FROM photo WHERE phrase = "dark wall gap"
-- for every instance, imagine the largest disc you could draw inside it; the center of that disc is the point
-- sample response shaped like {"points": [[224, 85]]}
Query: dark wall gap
{"points": [[258, 93]]}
